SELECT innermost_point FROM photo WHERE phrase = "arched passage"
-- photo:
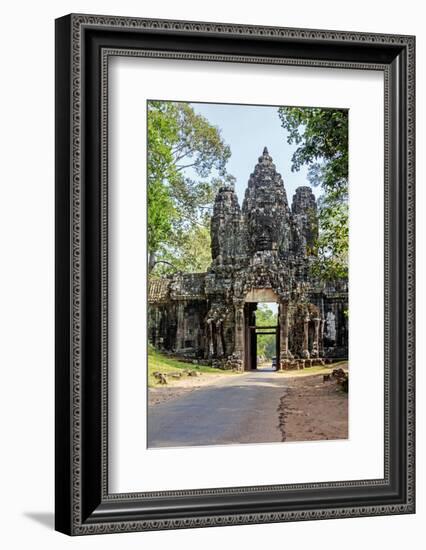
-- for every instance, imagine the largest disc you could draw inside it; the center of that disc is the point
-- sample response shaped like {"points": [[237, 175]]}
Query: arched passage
{"points": [[252, 329]]}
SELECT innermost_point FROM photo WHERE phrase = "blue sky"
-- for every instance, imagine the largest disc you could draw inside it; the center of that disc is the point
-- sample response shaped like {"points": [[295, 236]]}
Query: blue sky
{"points": [[247, 130]]}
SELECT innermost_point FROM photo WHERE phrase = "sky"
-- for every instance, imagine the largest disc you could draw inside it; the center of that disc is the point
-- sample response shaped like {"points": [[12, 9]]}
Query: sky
{"points": [[247, 130]]}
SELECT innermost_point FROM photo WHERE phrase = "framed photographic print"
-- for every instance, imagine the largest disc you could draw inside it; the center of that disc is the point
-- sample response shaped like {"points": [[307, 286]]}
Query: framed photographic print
{"points": [[234, 274]]}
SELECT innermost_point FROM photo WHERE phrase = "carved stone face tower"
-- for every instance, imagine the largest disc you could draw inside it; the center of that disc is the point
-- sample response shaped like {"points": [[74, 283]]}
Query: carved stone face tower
{"points": [[266, 225], [260, 252], [265, 209], [304, 210], [225, 225]]}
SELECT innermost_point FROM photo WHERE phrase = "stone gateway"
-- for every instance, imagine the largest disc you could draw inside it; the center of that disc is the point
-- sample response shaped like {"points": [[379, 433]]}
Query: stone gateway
{"points": [[261, 252]]}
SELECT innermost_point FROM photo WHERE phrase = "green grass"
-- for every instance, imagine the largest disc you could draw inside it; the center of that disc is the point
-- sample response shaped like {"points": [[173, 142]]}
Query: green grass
{"points": [[157, 362], [326, 369]]}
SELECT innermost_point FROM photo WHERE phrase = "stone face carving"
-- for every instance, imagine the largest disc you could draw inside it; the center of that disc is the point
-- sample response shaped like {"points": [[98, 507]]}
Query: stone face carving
{"points": [[262, 249], [226, 230], [265, 209], [304, 210]]}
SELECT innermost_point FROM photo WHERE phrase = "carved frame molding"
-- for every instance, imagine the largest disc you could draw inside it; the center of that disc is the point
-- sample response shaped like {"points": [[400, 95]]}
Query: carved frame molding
{"points": [[84, 43]]}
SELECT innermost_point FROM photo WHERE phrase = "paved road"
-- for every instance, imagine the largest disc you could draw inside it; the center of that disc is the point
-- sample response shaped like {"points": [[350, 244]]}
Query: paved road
{"points": [[240, 409]]}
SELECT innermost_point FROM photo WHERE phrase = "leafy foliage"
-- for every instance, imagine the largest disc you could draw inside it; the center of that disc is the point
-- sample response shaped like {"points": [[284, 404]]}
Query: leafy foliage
{"points": [[186, 165], [333, 241], [322, 139], [191, 251], [266, 342]]}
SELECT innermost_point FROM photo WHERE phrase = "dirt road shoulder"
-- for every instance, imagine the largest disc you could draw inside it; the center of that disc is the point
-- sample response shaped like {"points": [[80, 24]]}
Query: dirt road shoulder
{"points": [[312, 409]]}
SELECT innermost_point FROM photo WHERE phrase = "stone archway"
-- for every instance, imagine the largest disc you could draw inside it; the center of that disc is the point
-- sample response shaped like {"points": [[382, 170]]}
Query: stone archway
{"points": [[247, 330]]}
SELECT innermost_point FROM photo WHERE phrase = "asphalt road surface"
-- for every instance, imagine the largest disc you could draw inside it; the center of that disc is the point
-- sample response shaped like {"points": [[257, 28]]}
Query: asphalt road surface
{"points": [[238, 409]]}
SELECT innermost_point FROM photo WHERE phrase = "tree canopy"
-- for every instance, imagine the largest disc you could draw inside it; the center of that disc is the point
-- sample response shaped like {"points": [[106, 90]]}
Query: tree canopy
{"points": [[186, 165], [322, 139]]}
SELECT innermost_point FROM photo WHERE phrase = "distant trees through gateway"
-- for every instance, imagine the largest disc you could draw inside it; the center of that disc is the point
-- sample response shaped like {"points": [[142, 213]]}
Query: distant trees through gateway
{"points": [[266, 315]]}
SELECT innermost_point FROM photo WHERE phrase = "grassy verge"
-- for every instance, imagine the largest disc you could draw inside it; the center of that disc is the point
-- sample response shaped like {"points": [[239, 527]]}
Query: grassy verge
{"points": [[314, 370], [157, 362]]}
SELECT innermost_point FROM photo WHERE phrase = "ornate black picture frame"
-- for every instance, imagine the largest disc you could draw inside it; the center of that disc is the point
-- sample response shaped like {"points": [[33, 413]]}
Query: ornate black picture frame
{"points": [[83, 45]]}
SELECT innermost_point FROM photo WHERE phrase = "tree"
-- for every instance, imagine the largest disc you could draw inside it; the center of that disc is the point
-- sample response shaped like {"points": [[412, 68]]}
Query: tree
{"points": [[192, 253], [186, 164], [162, 134], [322, 139], [266, 343]]}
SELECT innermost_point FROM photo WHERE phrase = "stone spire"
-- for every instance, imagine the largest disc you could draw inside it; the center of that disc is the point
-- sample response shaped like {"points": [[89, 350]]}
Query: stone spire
{"points": [[305, 221], [225, 225], [265, 208]]}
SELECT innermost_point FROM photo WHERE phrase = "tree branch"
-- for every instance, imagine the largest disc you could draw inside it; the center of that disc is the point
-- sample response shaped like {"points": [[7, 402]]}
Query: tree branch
{"points": [[185, 166]]}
